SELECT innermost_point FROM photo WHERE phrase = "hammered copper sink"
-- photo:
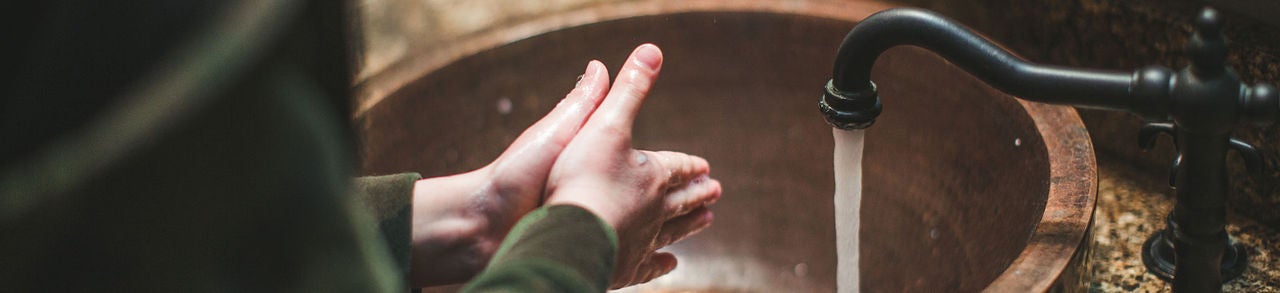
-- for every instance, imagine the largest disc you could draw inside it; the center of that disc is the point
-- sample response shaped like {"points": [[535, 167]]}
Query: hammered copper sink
{"points": [[966, 189]]}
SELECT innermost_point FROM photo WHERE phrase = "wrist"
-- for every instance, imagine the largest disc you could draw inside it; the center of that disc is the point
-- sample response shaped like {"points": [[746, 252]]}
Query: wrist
{"points": [[453, 238], [592, 203]]}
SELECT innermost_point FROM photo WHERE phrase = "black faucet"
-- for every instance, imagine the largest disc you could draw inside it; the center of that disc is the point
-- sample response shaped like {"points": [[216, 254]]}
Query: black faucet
{"points": [[1203, 101]]}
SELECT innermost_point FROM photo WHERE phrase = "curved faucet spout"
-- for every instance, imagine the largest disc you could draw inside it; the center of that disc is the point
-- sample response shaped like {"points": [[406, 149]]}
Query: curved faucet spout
{"points": [[850, 92], [1203, 100]]}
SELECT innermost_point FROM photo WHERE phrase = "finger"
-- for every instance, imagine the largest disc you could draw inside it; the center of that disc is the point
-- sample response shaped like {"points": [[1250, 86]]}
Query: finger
{"points": [[626, 277], [684, 226], [655, 265], [540, 144], [629, 90], [660, 263], [559, 126], [680, 168], [700, 192]]}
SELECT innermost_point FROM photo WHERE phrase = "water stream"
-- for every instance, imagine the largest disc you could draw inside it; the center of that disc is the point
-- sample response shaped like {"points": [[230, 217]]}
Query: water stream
{"points": [[848, 202]]}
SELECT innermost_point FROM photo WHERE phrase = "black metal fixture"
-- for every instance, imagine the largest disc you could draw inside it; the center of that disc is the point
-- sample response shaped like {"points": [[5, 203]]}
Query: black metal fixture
{"points": [[1196, 105]]}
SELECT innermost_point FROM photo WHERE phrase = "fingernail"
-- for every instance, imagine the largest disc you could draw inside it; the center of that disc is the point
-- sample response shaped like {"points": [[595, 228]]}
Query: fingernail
{"points": [[649, 56], [588, 74]]}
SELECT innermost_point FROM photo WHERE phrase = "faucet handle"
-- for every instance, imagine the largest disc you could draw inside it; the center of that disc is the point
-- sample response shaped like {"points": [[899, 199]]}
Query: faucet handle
{"points": [[1147, 136], [1252, 158], [1150, 132]]}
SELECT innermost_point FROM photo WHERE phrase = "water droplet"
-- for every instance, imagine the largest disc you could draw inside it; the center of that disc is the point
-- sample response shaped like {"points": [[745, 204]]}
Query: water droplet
{"points": [[1017, 142], [801, 270], [504, 106]]}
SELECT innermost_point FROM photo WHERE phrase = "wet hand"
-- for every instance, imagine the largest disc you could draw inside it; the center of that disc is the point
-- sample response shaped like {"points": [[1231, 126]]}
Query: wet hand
{"points": [[652, 199], [460, 220]]}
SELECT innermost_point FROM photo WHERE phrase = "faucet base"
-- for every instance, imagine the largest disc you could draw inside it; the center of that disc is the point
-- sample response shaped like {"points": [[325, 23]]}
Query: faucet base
{"points": [[1158, 256]]}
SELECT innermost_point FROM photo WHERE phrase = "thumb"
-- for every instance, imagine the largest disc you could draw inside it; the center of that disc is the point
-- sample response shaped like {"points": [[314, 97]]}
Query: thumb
{"points": [[619, 109]]}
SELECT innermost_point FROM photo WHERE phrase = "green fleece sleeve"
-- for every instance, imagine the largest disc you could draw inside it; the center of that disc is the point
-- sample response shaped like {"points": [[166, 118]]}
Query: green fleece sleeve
{"points": [[389, 199], [552, 249]]}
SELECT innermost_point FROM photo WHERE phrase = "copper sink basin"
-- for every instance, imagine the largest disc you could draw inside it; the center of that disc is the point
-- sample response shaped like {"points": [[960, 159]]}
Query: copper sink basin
{"points": [[966, 188]]}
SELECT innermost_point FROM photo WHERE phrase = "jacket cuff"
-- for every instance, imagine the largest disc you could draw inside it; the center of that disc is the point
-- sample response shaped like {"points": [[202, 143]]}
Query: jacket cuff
{"points": [[389, 199], [560, 248]]}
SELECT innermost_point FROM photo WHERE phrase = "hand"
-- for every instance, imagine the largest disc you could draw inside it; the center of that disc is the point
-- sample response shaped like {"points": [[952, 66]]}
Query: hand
{"points": [[459, 221], [652, 199]]}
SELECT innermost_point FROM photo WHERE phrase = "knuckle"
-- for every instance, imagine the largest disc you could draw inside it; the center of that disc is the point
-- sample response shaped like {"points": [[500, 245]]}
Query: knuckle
{"points": [[638, 77], [678, 161], [661, 162], [653, 169], [635, 93], [615, 128]]}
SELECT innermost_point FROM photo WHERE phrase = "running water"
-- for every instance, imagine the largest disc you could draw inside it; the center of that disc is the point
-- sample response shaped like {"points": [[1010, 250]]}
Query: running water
{"points": [[848, 197]]}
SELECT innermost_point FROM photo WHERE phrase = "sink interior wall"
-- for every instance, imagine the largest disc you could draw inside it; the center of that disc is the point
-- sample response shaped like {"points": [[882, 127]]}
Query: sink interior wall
{"points": [[950, 198]]}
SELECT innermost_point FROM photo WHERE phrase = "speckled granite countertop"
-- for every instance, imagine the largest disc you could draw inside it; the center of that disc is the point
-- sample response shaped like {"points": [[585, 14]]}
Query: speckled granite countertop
{"points": [[1131, 206]]}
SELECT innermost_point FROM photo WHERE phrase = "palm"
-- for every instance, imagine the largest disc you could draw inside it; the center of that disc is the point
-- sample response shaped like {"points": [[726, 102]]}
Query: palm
{"points": [[519, 175], [651, 199], [459, 220]]}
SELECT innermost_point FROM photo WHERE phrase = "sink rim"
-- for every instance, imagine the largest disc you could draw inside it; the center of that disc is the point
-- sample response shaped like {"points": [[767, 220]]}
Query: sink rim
{"points": [[1059, 238], [370, 88]]}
